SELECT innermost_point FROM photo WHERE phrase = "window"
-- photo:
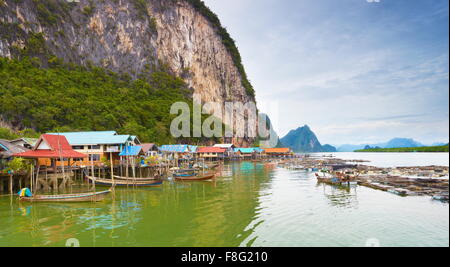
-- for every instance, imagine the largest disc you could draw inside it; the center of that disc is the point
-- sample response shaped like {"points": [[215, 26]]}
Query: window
{"points": [[94, 147], [78, 147], [94, 157]]}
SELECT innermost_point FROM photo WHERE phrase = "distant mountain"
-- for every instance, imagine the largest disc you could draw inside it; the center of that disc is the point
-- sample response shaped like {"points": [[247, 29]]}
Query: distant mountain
{"points": [[393, 143], [303, 140], [402, 142], [439, 144], [328, 148], [350, 148]]}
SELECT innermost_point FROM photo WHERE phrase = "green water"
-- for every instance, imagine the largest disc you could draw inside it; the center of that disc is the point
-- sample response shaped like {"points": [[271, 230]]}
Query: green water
{"points": [[248, 205]]}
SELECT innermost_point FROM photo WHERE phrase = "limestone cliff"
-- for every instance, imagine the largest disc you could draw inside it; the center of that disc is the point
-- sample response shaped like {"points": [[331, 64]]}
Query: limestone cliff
{"points": [[130, 36], [182, 37]]}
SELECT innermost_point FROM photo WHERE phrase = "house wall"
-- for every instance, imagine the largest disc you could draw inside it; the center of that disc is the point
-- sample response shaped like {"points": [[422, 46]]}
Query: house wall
{"points": [[97, 151]]}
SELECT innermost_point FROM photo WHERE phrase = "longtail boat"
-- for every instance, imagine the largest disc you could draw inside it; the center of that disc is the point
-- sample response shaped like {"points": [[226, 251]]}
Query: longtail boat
{"points": [[213, 166], [333, 180], [194, 177], [138, 179], [80, 197], [108, 182]]}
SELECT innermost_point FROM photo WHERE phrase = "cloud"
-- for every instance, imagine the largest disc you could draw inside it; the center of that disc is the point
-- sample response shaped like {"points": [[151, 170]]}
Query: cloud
{"points": [[350, 69]]}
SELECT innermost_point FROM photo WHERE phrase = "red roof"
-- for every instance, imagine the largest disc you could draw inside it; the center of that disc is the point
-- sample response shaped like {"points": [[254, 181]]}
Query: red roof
{"points": [[211, 150], [58, 147]]}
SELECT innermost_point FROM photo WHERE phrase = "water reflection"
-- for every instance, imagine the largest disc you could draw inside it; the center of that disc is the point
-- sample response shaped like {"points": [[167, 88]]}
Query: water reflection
{"points": [[340, 196], [249, 204]]}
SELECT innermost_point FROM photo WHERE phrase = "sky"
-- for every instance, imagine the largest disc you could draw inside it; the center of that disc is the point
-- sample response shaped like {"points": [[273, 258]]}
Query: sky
{"points": [[355, 71]]}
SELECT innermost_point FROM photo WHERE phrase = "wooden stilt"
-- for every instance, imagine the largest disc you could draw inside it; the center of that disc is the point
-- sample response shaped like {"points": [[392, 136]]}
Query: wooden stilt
{"points": [[31, 179], [11, 184], [112, 167]]}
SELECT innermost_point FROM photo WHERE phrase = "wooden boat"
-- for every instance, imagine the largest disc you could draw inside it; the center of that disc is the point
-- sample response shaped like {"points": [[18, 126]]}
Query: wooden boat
{"points": [[108, 182], [333, 180], [80, 197], [194, 177], [136, 179]]}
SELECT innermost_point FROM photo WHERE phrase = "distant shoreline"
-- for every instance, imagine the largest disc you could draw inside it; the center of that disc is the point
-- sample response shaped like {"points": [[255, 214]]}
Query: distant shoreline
{"points": [[408, 149]]}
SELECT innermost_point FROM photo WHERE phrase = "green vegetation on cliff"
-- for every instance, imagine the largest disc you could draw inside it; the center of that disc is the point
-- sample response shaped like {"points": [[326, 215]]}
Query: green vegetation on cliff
{"points": [[408, 149], [67, 97]]}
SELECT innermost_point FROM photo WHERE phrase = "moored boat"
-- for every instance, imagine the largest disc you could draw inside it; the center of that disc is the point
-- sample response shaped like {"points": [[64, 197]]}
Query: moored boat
{"points": [[138, 179], [108, 182], [329, 178], [194, 177], [79, 197]]}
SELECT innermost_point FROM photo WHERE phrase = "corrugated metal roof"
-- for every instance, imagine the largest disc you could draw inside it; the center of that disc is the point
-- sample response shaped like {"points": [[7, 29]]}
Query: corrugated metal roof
{"points": [[8, 149], [224, 145], [278, 150], [245, 150], [211, 150], [58, 147], [148, 146], [179, 148], [95, 138], [131, 151], [4, 147], [27, 140]]}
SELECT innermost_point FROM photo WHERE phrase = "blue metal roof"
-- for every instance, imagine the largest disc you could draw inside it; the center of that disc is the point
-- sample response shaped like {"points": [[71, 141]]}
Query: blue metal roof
{"points": [[131, 151], [95, 138], [249, 150], [244, 150], [178, 148], [4, 147]]}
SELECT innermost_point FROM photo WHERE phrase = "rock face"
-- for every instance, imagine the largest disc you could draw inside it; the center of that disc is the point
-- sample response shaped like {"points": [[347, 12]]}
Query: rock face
{"points": [[303, 140], [132, 37], [127, 37]]}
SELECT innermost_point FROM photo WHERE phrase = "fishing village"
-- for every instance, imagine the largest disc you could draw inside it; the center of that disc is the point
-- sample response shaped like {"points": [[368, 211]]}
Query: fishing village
{"points": [[38, 169]]}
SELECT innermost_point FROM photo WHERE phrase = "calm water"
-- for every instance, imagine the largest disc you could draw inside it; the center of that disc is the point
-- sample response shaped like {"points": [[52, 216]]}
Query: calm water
{"points": [[396, 159], [249, 205]]}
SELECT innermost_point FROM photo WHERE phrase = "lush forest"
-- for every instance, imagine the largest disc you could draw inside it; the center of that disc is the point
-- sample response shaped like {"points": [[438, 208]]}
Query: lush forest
{"points": [[67, 97], [408, 149]]}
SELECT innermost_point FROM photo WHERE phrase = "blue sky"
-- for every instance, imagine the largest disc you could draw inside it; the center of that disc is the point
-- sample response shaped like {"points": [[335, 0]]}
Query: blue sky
{"points": [[355, 71]]}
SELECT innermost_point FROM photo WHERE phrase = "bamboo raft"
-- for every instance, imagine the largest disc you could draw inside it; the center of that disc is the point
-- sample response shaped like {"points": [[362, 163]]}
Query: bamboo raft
{"points": [[80, 197], [108, 182]]}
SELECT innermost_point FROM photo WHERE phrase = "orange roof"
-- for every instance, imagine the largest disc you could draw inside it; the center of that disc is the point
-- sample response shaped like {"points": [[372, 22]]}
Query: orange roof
{"points": [[277, 150], [211, 150]]}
